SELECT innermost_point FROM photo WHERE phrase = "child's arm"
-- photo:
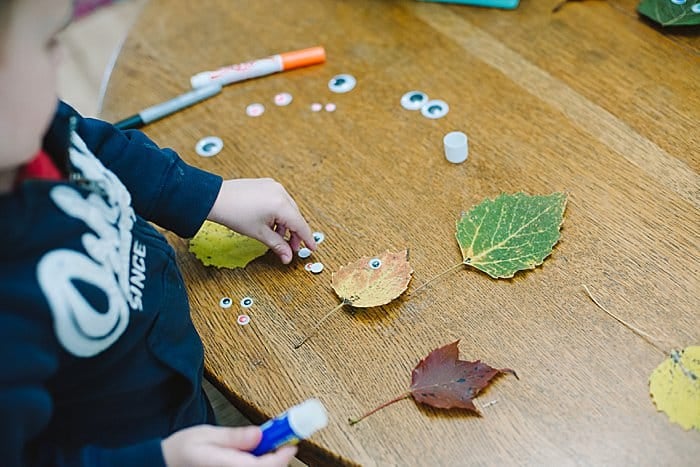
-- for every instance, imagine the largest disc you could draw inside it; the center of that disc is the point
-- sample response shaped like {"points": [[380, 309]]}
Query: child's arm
{"points": [[180, 197], [163, 188]]}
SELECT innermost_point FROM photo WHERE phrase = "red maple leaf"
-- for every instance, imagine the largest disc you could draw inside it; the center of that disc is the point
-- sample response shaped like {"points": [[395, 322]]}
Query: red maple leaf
{"points": [[443, 381]]}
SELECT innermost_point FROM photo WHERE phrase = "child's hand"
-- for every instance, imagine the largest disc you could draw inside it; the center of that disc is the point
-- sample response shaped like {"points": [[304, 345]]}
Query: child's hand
{"points": [[262, 209], [214, 446]]}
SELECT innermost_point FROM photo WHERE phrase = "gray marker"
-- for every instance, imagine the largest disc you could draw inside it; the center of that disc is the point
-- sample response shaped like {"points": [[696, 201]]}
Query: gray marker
{"points": [[166, 108]]}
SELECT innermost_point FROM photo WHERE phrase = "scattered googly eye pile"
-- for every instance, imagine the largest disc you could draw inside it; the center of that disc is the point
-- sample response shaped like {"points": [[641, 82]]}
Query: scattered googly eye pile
{"points": [[341, 84], [246, 302], [315, 268]]}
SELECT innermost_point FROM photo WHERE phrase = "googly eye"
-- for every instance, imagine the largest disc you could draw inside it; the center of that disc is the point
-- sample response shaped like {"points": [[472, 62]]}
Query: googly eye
{"points": [[679, 2], [342, 83], [330, 107], [316, 107], [413, 100], [246, 302], [282, 99], [319, 237], [375, 263], [435, 109], [209, 146], [243, 319], [316, 268], [308, 266], [255, 110], [225, 302], [304, 252], [695, 8]]}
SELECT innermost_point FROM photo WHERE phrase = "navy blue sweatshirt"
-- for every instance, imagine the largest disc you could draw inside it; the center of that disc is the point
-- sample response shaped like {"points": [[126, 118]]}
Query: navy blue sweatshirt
{"points": [[99, 360]]}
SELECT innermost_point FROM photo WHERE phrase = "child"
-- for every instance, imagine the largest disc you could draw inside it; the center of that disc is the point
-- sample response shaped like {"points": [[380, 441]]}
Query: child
{"points": [[99, 361]]}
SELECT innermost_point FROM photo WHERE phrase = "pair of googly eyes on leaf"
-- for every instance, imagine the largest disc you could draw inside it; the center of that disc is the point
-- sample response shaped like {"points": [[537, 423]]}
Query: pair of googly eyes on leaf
{"points": [[415, 100]]}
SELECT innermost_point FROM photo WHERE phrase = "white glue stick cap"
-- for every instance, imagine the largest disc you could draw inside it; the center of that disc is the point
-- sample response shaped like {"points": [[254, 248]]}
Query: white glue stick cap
{"points": [[307, 418], [456, 147]]}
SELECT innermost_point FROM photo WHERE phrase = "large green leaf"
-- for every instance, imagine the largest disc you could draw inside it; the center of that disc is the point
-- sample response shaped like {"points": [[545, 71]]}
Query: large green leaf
{"points": [[668, 13], [511, 232]]}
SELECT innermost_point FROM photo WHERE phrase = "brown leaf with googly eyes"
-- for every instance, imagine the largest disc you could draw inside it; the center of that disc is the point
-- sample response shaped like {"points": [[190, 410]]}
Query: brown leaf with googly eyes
{"points": [[373, 280]]}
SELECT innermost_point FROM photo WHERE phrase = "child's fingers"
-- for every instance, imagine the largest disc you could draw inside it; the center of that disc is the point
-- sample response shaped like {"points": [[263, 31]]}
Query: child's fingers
{"points": [[296, 223], [243, 438], [295, 242], [282, 457], [229, 458], [281, 229], [277, 244]]}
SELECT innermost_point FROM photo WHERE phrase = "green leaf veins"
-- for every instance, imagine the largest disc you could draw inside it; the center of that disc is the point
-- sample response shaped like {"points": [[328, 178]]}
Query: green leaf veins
{"points": [[510, 233], [668, 13]]}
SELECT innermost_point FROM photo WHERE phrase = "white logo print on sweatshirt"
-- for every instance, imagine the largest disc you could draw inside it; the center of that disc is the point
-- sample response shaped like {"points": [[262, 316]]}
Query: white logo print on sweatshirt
{"points": [[81, 328]]}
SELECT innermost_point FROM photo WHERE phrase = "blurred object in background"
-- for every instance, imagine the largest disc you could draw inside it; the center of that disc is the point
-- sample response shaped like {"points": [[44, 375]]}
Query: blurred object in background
{"points": [[90, 45], [83, 7]]}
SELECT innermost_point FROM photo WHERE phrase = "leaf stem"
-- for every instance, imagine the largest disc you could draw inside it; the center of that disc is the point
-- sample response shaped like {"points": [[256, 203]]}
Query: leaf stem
{"points": [[320, 322], [650, 340], [451, 268], [401, 397]]}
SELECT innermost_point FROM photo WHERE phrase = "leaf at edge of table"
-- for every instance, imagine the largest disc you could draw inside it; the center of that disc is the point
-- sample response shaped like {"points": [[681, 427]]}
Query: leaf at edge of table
{"points": [[452, 383], [511, 232], [360, 286], [217, 245], [667, 13], [674, 386]]}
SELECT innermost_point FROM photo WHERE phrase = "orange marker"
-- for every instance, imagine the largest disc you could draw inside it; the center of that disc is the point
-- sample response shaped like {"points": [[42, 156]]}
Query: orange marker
{"points": [[262, 67]]}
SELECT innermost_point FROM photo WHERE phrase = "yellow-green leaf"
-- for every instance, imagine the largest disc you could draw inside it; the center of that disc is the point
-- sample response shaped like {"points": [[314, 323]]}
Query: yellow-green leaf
{"points": [[675, 387], [216, 245], [511, 232], [373, 281]]}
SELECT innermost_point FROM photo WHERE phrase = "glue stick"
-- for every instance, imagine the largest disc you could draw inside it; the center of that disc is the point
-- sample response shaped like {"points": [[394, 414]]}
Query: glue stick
{"points": [[297, 423]]}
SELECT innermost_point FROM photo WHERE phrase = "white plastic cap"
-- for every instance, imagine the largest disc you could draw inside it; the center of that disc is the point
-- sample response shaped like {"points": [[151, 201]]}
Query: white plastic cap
{"points": [[201, 79], [456, 147], [307, 418]]}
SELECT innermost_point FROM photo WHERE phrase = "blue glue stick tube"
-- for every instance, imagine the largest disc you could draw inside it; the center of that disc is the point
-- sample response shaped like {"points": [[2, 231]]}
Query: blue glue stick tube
{"points": [[297, 423]]}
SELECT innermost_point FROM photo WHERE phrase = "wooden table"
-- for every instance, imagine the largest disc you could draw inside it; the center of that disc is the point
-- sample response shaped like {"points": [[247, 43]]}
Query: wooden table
{"points": [[591, 100]]}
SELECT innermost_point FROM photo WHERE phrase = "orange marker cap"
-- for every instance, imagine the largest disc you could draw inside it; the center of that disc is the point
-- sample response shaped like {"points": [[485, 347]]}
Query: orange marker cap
{"points": [[304, 57]]}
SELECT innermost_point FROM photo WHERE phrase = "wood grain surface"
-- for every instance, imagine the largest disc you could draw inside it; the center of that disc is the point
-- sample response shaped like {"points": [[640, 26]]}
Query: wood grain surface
{"points": [[592, 101]]}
